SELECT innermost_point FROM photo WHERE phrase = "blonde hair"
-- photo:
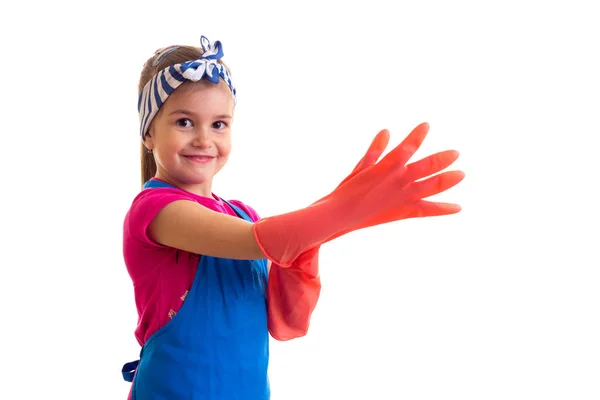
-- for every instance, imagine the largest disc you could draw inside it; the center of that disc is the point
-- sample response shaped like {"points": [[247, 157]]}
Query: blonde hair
{"points": [[179, 55]]}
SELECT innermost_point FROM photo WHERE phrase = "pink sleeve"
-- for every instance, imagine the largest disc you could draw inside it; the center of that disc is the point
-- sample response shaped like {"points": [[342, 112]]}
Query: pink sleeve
{"points": [[145, 207]]}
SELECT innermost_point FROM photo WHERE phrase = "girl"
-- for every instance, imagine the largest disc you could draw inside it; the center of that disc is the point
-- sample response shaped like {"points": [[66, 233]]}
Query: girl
{"points": [[200, 263]]}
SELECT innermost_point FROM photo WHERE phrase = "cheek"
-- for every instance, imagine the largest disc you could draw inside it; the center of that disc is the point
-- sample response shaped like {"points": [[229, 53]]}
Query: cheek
{"points": [[224, 146], [171, 143]]}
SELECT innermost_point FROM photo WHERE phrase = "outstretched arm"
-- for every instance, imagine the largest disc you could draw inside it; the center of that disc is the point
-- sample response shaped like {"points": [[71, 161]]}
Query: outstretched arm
{"points": [[378, 194]]}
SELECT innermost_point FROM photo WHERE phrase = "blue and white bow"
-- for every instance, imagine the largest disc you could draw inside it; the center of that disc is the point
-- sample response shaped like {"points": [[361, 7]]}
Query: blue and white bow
{"points": [[162, 84]]}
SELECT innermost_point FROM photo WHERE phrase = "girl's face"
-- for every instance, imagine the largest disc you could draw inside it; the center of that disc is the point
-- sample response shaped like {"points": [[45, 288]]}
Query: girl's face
{"points": [[191, 135]]}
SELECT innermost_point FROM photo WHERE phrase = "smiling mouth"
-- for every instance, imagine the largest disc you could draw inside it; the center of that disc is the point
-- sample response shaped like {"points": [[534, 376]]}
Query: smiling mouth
{"points": [[200, 159]]}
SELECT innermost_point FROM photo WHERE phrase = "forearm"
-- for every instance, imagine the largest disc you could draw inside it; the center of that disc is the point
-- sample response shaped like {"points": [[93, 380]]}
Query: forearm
{"points": [[188, 226]]}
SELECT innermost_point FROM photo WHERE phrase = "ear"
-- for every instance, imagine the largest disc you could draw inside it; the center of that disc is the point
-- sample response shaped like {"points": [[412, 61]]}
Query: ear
{"points": [[149, 140]]}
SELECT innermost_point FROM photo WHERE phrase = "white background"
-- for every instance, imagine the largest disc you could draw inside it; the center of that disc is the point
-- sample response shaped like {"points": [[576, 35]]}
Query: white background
{"points": [[498, 302]]}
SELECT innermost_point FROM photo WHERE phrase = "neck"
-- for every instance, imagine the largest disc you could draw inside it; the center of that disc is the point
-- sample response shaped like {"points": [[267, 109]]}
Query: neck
{"points": [[203, 189]]}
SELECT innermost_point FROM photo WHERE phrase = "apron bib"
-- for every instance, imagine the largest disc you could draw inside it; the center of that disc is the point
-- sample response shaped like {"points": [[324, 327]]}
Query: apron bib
{"points": [[217, 345]]}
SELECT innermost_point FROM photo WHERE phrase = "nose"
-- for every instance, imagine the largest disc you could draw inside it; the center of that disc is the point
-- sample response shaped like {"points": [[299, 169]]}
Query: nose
{"points": [[202, 139]]}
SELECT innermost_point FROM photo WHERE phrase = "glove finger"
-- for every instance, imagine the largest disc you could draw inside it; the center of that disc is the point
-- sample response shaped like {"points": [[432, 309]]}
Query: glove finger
{"points": [[376, 149], [424, 208], [430, 165], [400, 155], [434, 185], [418, 209]]}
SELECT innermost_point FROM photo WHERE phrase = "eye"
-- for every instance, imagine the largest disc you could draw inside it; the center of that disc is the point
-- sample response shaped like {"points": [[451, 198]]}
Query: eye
{"points": [[184, 123], [219, 125]]}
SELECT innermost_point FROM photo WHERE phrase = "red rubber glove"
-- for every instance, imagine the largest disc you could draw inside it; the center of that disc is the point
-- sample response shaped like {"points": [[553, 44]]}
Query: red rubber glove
{"points": [[378, 190], [293, 292], [421, 208]]}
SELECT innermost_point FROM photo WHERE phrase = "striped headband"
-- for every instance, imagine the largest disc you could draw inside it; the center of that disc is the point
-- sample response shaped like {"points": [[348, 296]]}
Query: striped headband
{"points": [[162, 84]]}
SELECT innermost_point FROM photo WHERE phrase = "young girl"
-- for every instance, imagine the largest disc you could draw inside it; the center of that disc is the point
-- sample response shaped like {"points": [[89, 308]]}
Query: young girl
{"points": [[199, 263]]}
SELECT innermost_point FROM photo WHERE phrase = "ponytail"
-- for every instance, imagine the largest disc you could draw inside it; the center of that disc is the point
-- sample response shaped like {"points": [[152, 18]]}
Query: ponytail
{"points": [[148, 165]]}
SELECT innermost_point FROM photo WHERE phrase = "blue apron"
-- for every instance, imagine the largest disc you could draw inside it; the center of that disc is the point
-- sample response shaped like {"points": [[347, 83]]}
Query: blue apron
{"points": [[217, 345]]}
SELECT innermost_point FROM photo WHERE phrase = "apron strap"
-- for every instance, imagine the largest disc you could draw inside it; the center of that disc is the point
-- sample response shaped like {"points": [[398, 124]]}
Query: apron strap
{"points": [[238, 211], [129, 369]]}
